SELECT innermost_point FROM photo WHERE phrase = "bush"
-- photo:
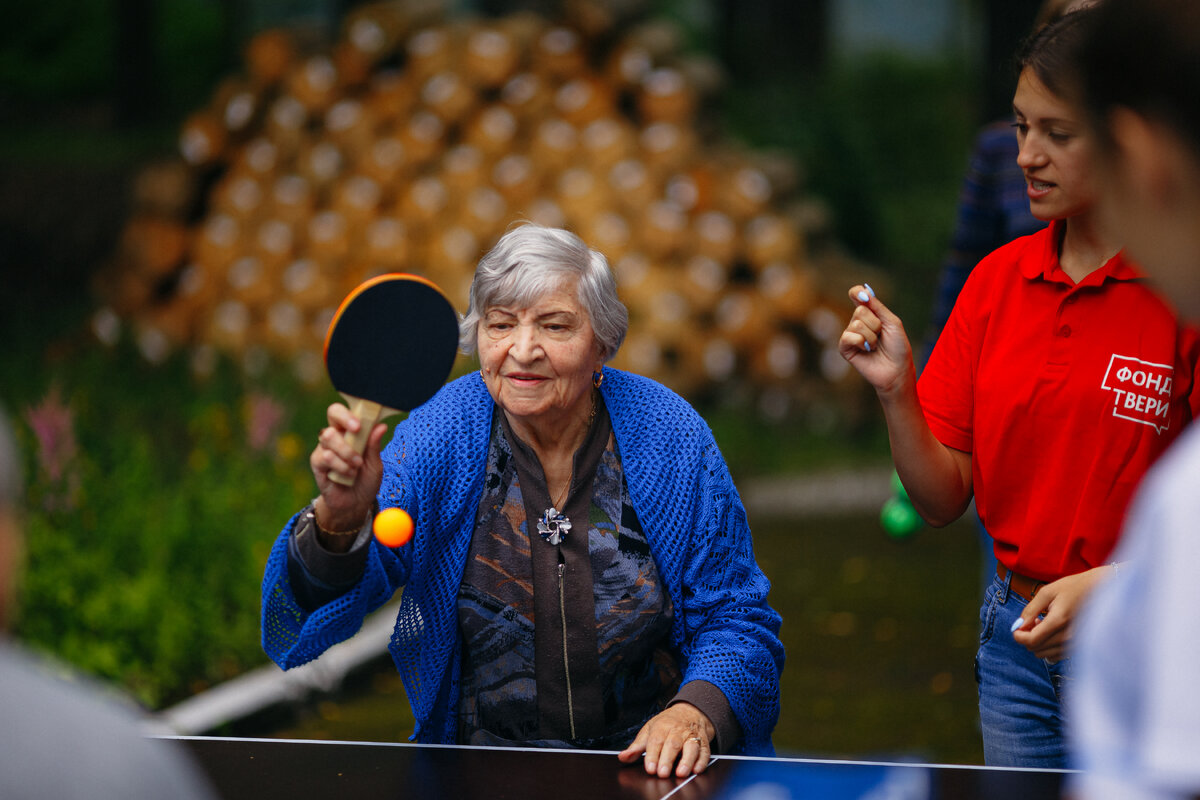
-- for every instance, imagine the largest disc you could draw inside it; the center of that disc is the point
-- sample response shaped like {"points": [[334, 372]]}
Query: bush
{"points": [[151, 514]]}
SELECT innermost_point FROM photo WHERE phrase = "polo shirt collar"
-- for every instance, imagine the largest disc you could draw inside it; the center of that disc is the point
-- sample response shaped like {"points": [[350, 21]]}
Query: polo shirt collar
{"points": [[1118, 268]]}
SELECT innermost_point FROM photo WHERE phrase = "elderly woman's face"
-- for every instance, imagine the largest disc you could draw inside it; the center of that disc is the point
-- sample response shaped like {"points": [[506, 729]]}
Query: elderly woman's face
{"points": [[538, 360]]}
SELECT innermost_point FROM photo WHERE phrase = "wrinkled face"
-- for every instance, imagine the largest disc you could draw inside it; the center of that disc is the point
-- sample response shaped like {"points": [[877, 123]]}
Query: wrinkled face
{"points": [[538, 360], [1056, 152]]}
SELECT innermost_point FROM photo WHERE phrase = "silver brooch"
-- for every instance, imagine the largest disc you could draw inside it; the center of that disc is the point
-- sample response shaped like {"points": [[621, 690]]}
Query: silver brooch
{"points": [[554, 526]]}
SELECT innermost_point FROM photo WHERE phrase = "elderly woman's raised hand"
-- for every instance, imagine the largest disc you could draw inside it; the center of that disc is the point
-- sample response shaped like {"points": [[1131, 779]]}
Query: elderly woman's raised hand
{"points": [[345, 508], [680, 732], [874, 342]]}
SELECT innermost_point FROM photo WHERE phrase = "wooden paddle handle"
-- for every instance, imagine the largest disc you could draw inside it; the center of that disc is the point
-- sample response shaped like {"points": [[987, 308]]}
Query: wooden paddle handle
{"points": [[368, 414]]}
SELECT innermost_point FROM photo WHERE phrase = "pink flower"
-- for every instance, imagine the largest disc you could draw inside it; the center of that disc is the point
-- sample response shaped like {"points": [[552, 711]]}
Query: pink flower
{"points": [[53, 426], [264, 417]]}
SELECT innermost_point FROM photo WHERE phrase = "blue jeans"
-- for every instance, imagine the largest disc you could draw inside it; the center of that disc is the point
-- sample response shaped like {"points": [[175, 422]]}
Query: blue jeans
{"points": [[1020, 695]]}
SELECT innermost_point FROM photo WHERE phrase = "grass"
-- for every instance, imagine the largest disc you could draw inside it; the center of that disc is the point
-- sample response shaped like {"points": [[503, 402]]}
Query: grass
{"points": [[881, 637]]}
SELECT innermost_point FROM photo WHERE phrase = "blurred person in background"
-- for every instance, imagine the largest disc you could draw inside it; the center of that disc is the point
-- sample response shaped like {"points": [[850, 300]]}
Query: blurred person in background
{"points": [[60, 735], [1059, 378], [1135, 727]]}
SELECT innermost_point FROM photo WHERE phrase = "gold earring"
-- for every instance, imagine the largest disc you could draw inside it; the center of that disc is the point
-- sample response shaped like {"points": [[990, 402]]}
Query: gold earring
{"points": [[597, 379]]}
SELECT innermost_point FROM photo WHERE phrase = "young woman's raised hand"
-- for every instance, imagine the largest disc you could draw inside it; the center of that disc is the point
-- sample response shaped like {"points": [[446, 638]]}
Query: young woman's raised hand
{"points": [[875, 343]]}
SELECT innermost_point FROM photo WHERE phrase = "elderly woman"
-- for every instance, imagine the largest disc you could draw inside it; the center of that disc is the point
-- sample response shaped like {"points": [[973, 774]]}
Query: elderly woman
{"points": [[581, 573]]}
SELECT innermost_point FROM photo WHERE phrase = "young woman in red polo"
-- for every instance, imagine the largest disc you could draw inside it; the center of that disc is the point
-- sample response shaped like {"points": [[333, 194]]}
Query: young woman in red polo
{"points": [[1058, 379]]}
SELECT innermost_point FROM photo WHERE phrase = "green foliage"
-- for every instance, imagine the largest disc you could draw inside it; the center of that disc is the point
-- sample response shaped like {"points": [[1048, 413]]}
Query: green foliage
{"points": [[194, 49], [67, 51], [60, 49], [880, 637], [149, 574]]}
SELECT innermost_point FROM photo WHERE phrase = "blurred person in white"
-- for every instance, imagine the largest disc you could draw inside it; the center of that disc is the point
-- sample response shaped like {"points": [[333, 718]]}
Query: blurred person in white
{"points": [[1135, 730], [61, 735]]}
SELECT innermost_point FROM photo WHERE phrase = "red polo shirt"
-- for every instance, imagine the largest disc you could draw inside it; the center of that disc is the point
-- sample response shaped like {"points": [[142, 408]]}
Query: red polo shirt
{"points": [[1063, 393]]}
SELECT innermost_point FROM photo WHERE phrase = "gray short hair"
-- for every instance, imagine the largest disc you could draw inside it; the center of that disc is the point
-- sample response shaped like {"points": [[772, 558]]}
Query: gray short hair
{"points": [[531, 260]]}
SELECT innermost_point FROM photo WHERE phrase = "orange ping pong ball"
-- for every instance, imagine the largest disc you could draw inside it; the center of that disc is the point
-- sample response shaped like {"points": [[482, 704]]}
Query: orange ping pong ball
{"points": [[393, 527]]}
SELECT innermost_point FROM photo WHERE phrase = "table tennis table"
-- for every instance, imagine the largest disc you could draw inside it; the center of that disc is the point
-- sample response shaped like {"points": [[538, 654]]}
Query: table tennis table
{"points": [[263, 769]]}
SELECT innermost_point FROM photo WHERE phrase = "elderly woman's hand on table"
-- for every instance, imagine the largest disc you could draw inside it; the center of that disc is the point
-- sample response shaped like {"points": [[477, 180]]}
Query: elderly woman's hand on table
{"points": [[343, 509], [680, 732]]}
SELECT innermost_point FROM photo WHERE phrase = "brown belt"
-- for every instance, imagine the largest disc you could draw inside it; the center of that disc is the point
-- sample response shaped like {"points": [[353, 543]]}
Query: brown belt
{"points": [[1023, 585]]}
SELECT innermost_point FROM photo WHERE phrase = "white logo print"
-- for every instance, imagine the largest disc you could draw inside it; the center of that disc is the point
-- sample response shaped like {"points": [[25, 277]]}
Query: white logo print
{"points": [[1142, 389]]}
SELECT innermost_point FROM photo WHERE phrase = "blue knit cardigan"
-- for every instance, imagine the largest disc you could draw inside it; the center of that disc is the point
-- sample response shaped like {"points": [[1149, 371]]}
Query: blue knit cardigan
{"points": [[724, 632]]}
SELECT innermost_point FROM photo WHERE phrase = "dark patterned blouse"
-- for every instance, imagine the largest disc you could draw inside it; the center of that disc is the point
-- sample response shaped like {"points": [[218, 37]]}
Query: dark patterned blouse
{"points": [[595, 667]]}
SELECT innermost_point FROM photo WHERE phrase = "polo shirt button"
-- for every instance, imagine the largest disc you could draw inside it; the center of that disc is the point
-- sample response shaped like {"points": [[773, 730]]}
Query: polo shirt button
{"points": [[1064, 331]]}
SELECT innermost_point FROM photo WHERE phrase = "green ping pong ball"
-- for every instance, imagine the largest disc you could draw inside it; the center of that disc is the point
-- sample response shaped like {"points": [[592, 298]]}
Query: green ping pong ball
{"points": [[393, 527]]}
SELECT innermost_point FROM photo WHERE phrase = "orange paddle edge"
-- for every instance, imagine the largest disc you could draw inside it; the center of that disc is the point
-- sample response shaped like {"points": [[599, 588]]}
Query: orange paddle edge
{"points": [[368, 412]]}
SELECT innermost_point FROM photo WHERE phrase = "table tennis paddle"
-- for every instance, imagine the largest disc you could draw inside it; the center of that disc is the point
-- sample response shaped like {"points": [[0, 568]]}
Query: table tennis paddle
{"points": [[390, 346]]}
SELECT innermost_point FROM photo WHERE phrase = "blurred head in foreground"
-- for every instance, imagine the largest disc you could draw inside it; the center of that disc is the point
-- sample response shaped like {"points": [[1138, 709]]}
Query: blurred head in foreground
{"points": [[1140, 85]]}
